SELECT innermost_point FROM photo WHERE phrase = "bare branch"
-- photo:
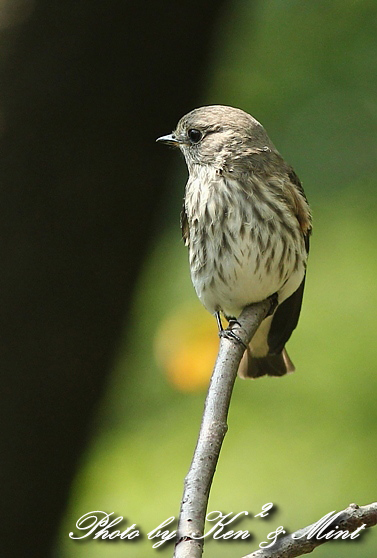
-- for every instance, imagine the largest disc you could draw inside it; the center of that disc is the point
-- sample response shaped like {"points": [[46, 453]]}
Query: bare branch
{"points": [[212, 431], [298, 543], [189, 543]]}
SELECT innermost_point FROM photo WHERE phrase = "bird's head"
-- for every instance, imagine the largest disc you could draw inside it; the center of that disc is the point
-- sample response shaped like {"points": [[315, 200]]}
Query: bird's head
{"points": [[223, 137]]}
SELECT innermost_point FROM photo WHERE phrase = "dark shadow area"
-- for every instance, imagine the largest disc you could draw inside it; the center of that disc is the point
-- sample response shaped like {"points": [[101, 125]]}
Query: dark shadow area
{"points": [[86, 89]]}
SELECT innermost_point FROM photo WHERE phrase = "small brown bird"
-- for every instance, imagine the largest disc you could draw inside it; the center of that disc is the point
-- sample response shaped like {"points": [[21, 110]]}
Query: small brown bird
{"points": [[246, 222]]}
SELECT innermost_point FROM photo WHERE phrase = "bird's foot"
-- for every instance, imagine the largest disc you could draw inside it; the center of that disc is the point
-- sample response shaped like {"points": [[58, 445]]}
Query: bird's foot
{"points": [[273, 304], [228, 333], [233, 322]]}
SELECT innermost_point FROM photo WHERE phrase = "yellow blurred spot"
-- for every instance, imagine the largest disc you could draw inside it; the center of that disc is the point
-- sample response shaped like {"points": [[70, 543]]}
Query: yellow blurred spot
{"points": [[186, 346]]}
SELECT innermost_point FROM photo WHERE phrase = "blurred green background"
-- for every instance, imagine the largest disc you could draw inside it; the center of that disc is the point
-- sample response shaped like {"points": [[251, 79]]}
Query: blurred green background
{"points": [[308, 72]]}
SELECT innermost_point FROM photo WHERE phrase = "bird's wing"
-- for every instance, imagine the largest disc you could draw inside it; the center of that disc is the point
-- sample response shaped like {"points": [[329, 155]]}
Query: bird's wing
{"points": [[285, 320], [287, 314], [300, 205]]}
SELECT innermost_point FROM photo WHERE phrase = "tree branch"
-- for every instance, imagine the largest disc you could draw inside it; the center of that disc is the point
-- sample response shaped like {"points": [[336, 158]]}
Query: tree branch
{"points": [[298, 543], [212, 432]]}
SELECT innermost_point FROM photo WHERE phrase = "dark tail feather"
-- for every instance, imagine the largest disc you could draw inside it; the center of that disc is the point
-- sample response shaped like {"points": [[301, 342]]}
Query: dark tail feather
{"points": [[270, 365]]}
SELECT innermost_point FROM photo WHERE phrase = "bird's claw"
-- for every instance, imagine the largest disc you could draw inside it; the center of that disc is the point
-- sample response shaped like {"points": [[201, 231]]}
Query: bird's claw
{"points": [[233, 322], [273, 304], [228, 333]]}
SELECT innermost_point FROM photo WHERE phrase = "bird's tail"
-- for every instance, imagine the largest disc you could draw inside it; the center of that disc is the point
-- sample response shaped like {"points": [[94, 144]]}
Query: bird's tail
{"points": [[270, 365]]}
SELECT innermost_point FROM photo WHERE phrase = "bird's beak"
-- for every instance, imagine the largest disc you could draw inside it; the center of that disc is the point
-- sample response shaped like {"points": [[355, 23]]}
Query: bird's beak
{"points": [[170, 139]]}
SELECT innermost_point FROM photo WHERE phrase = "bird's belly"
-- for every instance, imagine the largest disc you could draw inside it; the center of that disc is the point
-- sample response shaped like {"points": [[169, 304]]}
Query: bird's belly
{"points": [[247, 272]]}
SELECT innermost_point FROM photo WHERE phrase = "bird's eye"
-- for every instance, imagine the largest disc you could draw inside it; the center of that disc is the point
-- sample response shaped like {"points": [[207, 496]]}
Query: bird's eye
{"points": [[194, 135]]}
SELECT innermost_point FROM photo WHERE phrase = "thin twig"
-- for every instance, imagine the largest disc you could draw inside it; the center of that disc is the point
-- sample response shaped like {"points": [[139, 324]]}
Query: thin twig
{"points": [[212, 431], [298, 543]]}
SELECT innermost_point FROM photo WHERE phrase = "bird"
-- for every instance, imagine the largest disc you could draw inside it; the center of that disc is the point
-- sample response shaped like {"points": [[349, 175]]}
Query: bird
{"points": [[247, 223]]}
